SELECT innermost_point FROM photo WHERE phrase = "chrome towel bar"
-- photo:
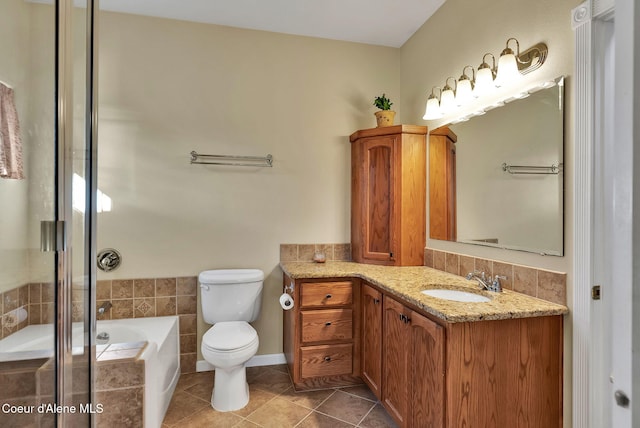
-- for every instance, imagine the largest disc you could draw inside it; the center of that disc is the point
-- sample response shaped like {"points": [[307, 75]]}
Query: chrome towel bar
{"points": [[528, 169], [266, 161]]}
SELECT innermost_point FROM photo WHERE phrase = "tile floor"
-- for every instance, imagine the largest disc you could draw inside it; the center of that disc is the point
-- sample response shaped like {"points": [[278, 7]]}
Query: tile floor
{"points": [[274, 403]]}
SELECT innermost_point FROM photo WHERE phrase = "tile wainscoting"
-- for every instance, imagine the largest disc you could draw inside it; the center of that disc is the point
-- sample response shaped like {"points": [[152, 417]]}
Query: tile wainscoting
{"points": [[36, 299], [543, 284], [156, 297], [304, 252]]}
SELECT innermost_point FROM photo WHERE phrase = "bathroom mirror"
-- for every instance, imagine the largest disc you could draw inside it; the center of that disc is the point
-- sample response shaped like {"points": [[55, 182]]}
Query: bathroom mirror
{"points": [[509, 181]]}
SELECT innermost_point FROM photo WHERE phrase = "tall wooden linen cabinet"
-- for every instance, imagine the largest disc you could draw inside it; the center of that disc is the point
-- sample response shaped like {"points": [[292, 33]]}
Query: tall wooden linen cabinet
{"points": [[388, 195]]}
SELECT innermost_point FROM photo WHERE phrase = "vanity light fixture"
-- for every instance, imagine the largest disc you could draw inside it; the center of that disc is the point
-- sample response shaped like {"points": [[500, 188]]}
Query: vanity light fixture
{"points": [[448, 96], [432, 109], [512, 65], [464, 87], [485, 76]]}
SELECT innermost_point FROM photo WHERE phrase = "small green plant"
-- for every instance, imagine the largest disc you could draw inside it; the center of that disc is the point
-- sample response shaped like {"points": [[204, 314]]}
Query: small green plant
{"points": [[383, 103]]}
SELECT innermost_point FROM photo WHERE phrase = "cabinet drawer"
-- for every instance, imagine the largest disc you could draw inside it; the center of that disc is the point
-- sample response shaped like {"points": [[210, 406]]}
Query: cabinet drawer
{"points": [[326, 360], [327, 324], [326, 294]]}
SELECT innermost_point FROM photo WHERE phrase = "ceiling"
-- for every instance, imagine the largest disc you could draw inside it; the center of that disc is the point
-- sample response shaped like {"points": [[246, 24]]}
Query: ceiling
{"points": [[377, 22]]}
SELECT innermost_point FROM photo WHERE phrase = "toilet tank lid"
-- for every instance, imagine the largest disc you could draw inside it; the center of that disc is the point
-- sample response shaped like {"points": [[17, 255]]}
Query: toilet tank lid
{"points": [[230, 276]]}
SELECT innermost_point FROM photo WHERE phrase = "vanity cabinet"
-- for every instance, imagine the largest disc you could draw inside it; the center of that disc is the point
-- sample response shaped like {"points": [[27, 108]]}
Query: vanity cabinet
{"points": [[388, 195], [372, 338], [442, 184], [322, 333], [413, 367]]}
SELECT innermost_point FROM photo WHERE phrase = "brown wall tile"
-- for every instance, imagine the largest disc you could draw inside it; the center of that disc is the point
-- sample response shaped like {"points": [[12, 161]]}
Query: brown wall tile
{"points": [[439, 260], [21, 419], [552, 286], [165, 287], [107, 314], [188, 324], [23, 295], [77, 311], [144, 288], [10, 299], [525, 280], [342, 252], [35, 293], [188, 343], [288, 252], [122, 289], [48, 293], [103, 290], [122, 309], [484, 265], [186, 305], [452, 263], [143, 308], [428, 257], [47, 313], [305, 252], [504, 269], [34, 314], [467, 265], [188, 363], [187, 286], [17, 383], [119, 374], [122, 408], [166, 306]]}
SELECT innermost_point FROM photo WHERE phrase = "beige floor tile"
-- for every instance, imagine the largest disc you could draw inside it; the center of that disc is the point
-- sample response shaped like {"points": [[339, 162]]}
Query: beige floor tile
{"points": [[189, 379], [310, 399], [202, 390], [318, 420], [346, 407], [279, 413], [378, 418], [257, 399], [210, 418], [183, 405], [272, 381], [246, 424], [281, 368], [361, 391]]}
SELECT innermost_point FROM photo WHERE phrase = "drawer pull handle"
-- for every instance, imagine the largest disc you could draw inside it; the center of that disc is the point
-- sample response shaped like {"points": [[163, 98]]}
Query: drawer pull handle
{"points": [[327, 359], [328, 296], [328, 323]]}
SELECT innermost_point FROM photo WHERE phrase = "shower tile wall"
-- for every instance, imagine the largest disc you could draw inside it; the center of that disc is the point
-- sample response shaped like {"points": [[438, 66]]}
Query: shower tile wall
{"points": [[543, 284], [151, 297], [36, 299]]}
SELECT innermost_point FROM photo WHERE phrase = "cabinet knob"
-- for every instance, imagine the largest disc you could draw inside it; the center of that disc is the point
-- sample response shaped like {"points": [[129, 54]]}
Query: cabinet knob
{"points": [[328, 323], [328, 296], [327, 359], [376, 301]]}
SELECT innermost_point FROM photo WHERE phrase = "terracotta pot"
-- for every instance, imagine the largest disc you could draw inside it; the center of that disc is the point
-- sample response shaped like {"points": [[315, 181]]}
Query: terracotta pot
{"points": [[385, 117]]}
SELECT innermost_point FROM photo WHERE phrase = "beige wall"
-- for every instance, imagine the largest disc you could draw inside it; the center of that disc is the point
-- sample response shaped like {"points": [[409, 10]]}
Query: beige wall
{"points": [[169, 87], [459, 34]]}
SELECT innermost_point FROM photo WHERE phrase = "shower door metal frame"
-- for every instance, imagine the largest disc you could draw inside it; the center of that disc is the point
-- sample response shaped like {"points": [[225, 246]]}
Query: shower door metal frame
{"points": [[63, 204]]}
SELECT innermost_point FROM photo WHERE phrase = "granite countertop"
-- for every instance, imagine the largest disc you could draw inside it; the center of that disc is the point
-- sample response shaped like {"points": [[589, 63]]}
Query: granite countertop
{"points": [[407, 282]]}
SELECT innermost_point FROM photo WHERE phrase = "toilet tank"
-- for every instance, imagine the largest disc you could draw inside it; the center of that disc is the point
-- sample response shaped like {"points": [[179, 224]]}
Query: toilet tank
{"points": [[231, 294]]}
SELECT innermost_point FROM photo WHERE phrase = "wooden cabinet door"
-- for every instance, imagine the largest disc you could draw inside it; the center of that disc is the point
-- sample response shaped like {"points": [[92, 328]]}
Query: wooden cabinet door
{"points": [[378, 185], [427, 373], [395, 360], [372, 338], [442, 184]]}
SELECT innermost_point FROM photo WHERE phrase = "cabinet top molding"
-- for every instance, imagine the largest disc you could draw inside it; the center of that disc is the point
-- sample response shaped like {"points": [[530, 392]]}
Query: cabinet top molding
{"points": [[388, 130]]}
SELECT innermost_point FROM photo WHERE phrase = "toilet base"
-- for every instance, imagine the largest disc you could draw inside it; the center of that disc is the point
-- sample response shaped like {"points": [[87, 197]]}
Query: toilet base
{"points": [[233, 388]]}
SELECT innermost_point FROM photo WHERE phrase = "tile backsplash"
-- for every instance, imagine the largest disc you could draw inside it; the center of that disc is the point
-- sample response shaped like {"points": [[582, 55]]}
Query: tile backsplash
{"points": [[543, 284], [304, 252]]}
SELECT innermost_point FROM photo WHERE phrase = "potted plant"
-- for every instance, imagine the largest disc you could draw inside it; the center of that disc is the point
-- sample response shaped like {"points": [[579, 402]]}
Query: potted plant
{"points": [[385, 116]]}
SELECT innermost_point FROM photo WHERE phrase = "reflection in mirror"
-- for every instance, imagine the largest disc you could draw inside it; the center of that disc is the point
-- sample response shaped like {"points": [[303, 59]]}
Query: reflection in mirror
{"points": [[498, 180]]}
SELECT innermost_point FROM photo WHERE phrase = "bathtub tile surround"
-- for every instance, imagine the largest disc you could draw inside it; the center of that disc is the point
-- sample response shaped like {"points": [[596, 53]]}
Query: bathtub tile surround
{"points": [[304, 252], [543, 284], [36, 299], [151, 297]]}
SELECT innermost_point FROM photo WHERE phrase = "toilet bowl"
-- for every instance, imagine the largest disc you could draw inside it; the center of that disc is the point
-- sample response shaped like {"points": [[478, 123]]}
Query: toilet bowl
{"points": [[228, 346], [231, 298]]}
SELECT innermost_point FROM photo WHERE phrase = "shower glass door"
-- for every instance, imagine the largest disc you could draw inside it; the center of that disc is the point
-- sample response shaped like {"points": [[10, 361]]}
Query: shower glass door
{"points": [[46, 349]]}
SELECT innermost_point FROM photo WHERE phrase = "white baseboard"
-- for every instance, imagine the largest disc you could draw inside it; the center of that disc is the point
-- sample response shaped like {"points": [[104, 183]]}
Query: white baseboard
{"points": [[258, 360]]}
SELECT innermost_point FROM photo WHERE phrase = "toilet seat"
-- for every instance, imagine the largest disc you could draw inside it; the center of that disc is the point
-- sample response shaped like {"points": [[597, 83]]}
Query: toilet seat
{"points": [[229, 336]]}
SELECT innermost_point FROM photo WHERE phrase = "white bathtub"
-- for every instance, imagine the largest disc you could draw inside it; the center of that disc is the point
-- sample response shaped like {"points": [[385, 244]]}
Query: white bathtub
{"points": [[161, 356]]}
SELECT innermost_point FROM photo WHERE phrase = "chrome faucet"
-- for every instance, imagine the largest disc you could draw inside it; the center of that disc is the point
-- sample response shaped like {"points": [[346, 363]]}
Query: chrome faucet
{"points": [[486, 282], [104, 307]]}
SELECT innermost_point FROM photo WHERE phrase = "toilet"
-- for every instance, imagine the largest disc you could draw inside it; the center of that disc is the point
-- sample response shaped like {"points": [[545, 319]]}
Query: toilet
{"points": [[231, 299]]}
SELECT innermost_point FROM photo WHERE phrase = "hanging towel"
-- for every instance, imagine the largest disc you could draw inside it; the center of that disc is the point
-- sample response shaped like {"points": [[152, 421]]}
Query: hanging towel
{"points": [[10, 141]]}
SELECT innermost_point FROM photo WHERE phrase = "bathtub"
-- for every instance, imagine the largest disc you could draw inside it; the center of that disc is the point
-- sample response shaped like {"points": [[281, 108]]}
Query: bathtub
{"points": [[161, 355]]}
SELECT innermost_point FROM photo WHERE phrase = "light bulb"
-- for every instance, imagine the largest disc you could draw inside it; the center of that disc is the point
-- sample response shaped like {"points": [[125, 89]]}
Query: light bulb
{"points": [[464, 92], [432, 109], [484, 82]]}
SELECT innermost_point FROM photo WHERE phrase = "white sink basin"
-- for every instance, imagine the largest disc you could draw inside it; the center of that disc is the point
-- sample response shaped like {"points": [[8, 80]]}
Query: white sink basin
{"points": [[456, 295]]}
